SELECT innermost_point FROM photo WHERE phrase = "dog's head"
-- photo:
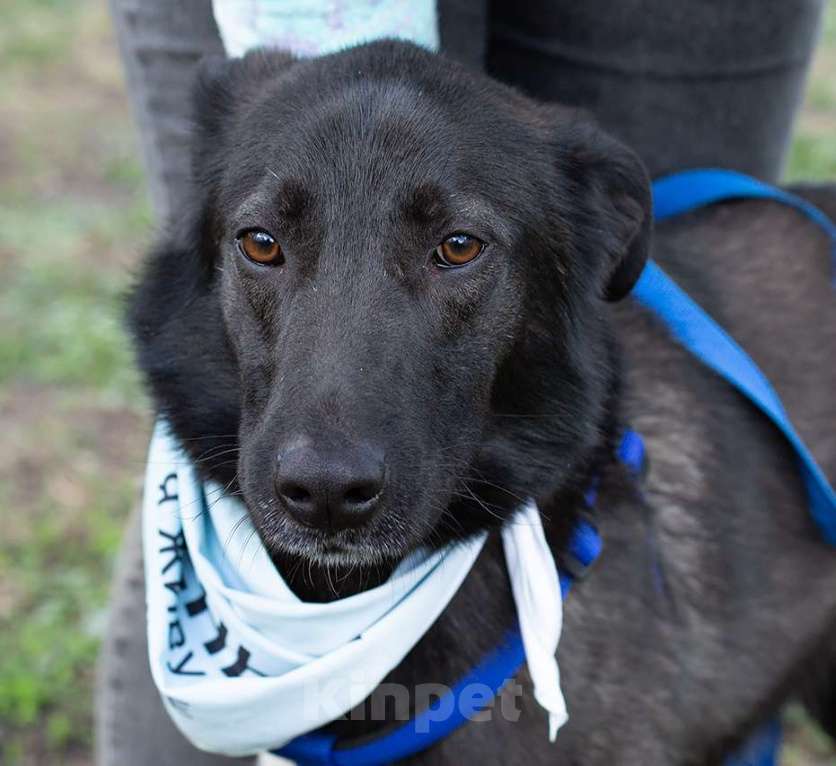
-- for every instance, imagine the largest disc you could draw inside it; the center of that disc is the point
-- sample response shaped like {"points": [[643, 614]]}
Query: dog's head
{"points": [[383, 319]]}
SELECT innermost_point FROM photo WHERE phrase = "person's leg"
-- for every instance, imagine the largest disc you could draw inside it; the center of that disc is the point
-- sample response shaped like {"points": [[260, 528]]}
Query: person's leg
{"points": [[161, 44], [463, 30], [687, 84]]}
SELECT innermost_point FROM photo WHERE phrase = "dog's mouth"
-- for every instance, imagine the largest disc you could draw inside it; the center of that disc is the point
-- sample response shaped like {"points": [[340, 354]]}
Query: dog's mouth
{"points": [[382, 543], [327, 548]]}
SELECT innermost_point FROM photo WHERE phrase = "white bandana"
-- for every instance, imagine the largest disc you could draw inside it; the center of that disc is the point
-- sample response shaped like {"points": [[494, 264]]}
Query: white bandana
{"points": [[243, 665]]}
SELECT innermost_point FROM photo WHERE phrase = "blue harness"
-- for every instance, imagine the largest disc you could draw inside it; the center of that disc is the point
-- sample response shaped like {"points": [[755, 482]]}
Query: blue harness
{"points": [[706, 340]]}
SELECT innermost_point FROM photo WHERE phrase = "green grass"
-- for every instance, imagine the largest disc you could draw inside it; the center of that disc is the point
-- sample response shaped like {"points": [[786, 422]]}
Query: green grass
{"points": [[813, 154], [61, 323], [73, 219], [36, 32], [60, 562], [812, 158]]}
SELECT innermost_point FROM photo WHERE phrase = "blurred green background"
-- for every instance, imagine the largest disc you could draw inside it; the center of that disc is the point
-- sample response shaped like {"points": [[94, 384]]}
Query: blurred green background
{"points": [[74, 220]]}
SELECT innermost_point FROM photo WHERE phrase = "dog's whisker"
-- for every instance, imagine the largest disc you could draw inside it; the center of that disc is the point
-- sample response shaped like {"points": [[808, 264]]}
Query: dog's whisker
{"points": [[507, 491], [189, 439]]}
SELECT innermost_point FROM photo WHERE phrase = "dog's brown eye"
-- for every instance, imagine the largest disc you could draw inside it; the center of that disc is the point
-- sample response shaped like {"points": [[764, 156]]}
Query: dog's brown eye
{"points": [[457, 250], [259, 246]]}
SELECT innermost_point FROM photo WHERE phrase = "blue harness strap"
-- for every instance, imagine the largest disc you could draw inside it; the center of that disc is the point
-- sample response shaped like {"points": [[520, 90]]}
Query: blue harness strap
{"points": [[762, 749], [704, 338], [691, 189], [709, 342]]}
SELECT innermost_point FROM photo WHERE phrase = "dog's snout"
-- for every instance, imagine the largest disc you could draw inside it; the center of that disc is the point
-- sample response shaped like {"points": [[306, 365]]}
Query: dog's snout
{"points": [[330, 489]]}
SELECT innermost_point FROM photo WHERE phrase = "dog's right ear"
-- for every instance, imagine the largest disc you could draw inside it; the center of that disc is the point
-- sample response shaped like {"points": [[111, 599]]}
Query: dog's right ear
{"points": [[223, 91], [610, 192]]}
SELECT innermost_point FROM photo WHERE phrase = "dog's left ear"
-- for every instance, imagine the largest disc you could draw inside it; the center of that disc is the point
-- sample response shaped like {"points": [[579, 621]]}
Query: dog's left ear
{"points": [[611, 184]]}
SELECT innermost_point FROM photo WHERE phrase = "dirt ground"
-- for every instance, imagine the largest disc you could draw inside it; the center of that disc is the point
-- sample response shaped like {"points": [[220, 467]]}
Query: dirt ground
{"points": [[75, 423]]}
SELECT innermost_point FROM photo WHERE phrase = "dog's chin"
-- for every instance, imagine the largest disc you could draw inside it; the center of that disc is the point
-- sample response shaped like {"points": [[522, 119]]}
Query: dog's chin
{"points": [[365, 547]]}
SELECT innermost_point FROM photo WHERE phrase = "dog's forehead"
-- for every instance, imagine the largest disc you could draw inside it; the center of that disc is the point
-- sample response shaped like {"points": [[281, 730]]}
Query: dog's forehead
{"points": [[377, 146], [373, 134], [367, 143]]}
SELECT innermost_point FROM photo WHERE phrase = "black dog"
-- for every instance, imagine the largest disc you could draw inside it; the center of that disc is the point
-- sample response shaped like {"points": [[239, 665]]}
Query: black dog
{"points": [[394, 301]]}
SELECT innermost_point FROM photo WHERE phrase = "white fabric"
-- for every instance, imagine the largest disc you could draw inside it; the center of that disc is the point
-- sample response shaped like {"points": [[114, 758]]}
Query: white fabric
{"points": [[306, 663], [534, 582], [315, 27]]}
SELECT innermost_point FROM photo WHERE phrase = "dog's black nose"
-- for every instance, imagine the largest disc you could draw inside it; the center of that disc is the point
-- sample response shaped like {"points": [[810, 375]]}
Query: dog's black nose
{"points": [[330, 490]]}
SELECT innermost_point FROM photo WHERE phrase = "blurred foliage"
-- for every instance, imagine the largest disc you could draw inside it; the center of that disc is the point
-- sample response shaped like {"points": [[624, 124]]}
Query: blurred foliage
{"points": [[813, 154], [73, 219]]}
